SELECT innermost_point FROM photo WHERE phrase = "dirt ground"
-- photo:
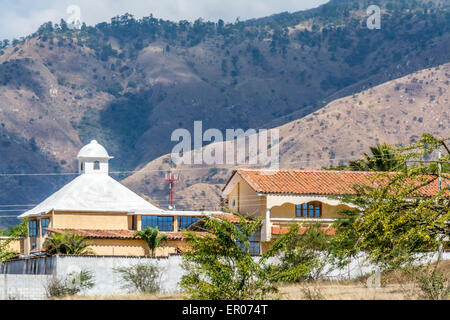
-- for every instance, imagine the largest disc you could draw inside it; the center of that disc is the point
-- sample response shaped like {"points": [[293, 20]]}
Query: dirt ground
{"points": [[315, 291], [326, 291], [346, 292]]}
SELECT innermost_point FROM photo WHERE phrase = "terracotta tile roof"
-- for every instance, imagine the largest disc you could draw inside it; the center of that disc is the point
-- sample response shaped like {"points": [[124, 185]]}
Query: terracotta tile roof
{"points": [[97, 234], [278, 230], [314, 182], [113, 234]]}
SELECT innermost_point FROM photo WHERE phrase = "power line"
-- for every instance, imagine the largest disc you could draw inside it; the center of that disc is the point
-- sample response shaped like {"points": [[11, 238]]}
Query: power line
{"points": [[163, 200], [216, 166]]}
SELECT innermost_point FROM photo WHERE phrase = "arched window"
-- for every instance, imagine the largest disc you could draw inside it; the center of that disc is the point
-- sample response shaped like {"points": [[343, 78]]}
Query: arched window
{"points": [[96, 165], [309, 210]]}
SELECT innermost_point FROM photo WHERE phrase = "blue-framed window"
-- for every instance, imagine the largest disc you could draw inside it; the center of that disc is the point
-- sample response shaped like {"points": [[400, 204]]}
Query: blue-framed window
{"points": [[185, 222], [163, 223], [254, 245], [309, 210], [32, 226], [44, 224], [255, 248]]}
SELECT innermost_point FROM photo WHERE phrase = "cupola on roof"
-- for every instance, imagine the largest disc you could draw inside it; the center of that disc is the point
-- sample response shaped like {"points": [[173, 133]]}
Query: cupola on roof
{"points": [[93, 150]]}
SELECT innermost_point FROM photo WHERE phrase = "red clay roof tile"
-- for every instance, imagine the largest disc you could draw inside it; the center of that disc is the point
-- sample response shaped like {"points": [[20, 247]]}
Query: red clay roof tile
{"points": [[278, 230], [315, 182], [112, 234]]}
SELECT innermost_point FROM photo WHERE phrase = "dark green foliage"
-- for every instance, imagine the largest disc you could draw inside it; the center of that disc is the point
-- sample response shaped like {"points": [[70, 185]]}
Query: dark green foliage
{"points": [[396, 220], [67, 243], [383, 158], [20, 230], [152, 237], [17, 74]]}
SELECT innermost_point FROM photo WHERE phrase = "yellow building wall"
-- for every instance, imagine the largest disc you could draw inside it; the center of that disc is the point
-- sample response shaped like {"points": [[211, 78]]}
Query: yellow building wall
{"points": [[247, 201], [285, 211], [333, 211], [288, 211], [119, 247], [91, 221], [15, 246], [233, 201], [102, 221]]}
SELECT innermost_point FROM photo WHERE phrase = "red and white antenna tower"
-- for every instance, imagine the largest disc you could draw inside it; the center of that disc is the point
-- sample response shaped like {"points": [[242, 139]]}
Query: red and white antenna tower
{"points": [[171, 178]]}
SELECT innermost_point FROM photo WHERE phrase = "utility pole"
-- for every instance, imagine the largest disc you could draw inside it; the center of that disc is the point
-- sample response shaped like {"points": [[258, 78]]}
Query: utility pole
{"points": [[171, 179]]}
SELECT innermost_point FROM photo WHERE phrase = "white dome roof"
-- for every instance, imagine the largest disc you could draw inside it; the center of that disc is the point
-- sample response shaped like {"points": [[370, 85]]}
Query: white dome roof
{"points": [[94, 193], [93, 150]]}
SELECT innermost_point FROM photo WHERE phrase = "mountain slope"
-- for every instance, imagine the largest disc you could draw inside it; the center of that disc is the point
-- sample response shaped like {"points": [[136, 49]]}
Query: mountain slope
{"points": [[395, 112], [130, 83]]}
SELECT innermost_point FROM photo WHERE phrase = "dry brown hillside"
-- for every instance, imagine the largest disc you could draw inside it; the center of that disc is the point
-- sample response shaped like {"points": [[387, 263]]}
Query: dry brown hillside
{"points": [[129, 83], [395, 112]]}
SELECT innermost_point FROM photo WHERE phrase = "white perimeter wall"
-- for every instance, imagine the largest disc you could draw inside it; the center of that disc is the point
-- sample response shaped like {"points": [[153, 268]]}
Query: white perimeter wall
{"points": [[108, 282], [23, 286]]}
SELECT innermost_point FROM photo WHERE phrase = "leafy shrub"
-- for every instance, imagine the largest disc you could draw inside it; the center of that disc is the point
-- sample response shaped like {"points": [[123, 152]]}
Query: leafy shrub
{"points": [[141, 278], [70, 285], [302, 256], [220, 266], [67, 243], [434, 286]]}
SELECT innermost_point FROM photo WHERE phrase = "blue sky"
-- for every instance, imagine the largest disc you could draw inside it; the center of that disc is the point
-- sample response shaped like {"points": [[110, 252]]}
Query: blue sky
{"points": [[22, 17]]}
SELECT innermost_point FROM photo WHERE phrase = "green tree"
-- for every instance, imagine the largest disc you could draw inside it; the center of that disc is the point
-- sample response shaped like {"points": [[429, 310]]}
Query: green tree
{"points": [[382, 158], [220, 266], [303, 253], [13, 234], [152, 237], [5, 253], [69, 285], [16, 231], [343, 243], [67, 243], [396, 220]]}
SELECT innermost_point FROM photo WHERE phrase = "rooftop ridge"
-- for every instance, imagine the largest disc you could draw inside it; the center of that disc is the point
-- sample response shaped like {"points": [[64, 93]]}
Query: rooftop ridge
{"points": [[314, 170]]}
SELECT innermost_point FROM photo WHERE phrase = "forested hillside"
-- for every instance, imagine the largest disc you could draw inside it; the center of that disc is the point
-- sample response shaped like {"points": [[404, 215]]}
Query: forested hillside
{"points": [[130, 82]]}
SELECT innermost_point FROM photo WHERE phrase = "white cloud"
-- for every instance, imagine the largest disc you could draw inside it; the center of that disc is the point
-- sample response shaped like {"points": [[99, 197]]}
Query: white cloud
{"points": [[22, 17]]}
